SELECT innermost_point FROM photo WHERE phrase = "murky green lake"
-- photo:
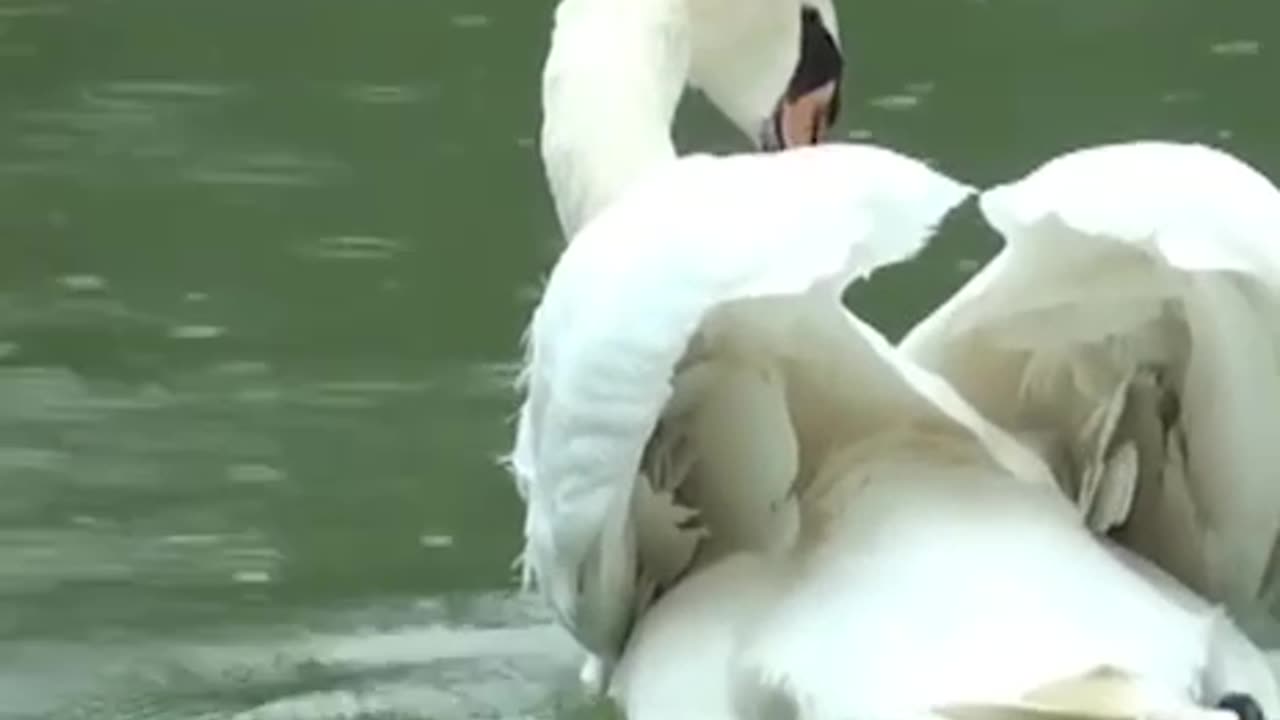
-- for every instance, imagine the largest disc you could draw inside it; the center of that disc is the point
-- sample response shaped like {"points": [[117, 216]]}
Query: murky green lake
{"points": [[263, 270]]}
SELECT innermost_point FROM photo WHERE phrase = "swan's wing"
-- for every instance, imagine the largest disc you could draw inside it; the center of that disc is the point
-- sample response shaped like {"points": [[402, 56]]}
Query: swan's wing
{"points": [[627, 296], [1152, 269]]}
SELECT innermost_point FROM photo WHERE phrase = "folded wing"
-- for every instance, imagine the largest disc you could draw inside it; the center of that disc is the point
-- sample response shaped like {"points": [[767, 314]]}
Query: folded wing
{"points": [[1130, 331], [686, 363]]}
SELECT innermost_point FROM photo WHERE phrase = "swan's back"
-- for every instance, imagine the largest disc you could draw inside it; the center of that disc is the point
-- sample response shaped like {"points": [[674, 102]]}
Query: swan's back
{"points": [[945, 581], [937, 581], [919, 519]]}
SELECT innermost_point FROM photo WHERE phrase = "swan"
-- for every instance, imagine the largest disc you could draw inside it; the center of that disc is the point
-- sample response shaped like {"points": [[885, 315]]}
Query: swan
{"points": [[752, 505], [1130, 331], [616, 69], [699, 492]]}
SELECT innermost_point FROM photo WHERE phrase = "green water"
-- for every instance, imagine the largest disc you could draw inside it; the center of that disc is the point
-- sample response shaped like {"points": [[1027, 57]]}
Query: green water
{"points": [[263, 268]]}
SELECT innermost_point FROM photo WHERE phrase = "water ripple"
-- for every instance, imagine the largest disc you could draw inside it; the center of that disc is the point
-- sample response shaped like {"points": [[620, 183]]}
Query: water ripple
{"points": [[1236, 48], [262, 170], [422, 669], [353, 247], [386, 94], [896, 102], [167, 89], [471, 21], [16, 11]]}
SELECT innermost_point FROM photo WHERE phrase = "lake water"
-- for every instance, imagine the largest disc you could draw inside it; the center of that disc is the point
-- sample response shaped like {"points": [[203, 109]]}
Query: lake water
{"points": [[263, 270]]}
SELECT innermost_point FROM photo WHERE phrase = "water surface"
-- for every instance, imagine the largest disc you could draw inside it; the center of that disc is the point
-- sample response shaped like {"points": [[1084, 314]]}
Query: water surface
{"points": [[263, 268]]}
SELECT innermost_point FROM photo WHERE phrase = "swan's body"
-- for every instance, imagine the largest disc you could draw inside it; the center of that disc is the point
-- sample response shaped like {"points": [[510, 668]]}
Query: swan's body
{"points": [[601, 474], [860, 542], [1131, 329], [939, 581], [694, 387], [611, 82]]}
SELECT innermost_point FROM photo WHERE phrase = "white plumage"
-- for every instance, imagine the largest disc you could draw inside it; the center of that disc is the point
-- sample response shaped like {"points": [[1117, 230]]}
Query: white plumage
{"points": [[616, 70], [1131, 328], [753, 506], [758, 507], [614, 73], [665, 289]]}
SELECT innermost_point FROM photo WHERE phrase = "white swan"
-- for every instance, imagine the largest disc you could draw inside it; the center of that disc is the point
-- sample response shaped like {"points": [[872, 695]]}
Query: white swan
{"points": [[731, 441], [902, 555], [1131, 329], [616, 70]]}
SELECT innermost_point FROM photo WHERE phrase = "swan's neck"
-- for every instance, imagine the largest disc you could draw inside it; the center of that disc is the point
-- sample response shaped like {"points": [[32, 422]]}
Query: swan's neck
{"points": [[610, 86]]}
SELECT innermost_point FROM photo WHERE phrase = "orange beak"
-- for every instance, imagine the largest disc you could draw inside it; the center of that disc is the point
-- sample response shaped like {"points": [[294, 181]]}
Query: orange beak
{"points": [[806, 120], [803, 120]]}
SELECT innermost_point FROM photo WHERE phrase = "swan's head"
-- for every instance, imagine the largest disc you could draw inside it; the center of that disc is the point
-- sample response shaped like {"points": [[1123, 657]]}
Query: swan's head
{"points": [[772, 66]]}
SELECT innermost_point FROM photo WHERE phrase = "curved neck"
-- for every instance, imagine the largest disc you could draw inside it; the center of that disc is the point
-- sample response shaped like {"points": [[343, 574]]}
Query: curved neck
{"points": [[610, 86]]}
